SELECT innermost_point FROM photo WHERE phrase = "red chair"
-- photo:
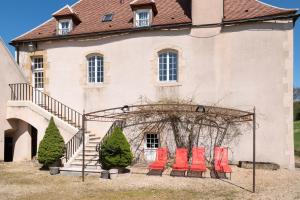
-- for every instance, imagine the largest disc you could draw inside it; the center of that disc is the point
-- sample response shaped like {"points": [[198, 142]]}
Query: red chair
{"points": [[160, 161], [221, 160], [198, 161], [181, 163], [217, 159]]}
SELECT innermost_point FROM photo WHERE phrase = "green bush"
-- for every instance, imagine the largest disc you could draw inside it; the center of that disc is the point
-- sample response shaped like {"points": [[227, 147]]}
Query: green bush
{"points": [[296, 111], [52, 147], [115, 151]]}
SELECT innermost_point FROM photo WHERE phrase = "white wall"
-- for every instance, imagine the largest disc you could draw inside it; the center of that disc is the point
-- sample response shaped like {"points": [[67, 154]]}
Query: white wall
{"points": [[241, 67], [9, 73]]}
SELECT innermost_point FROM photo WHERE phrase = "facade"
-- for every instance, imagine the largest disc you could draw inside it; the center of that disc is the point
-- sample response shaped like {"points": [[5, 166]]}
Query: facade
{"points": [[99, 54]]}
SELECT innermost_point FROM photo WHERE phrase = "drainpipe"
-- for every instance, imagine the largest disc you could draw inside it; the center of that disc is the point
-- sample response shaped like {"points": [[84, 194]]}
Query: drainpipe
{"points": [[18, 54]]}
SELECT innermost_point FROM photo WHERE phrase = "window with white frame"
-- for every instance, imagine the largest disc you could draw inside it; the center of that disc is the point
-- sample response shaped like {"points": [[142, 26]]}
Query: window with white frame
{"points": [[38, 72], [152, 141], [64, 26], [168, 66], [142, 18], [95, 69]]}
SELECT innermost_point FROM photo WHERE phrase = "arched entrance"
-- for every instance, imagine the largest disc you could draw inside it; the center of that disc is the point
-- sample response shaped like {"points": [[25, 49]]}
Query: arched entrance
{"points": [[20, 141]]}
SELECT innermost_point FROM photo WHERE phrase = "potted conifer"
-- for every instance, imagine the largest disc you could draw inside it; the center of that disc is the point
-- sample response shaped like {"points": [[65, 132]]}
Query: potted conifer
{"points": [[51, 148], [115, 153]]}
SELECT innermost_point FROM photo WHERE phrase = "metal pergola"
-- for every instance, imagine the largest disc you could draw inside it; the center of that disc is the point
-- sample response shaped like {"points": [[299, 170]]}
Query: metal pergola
{"points": [[129, 112]]}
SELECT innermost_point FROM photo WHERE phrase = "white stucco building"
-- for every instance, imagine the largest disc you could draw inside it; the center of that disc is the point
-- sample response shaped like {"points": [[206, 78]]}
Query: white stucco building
{"points": [[99, 54]]}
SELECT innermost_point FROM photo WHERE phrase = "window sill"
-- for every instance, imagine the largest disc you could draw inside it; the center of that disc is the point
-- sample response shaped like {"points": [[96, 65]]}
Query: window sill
{"points": [[94, 85], [168, 84]]}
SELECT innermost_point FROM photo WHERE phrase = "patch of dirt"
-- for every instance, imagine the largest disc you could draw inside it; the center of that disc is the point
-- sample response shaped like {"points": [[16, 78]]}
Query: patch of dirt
{"points": [[26, 181]]}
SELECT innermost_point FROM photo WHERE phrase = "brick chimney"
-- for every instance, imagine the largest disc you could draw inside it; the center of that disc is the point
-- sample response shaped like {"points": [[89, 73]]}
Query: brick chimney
{"points": [[207, 11]]}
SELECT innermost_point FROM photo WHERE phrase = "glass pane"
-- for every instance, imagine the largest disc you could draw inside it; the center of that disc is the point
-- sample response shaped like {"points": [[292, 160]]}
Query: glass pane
{"points": [[142, 19], [172, 66], [163, 67]]}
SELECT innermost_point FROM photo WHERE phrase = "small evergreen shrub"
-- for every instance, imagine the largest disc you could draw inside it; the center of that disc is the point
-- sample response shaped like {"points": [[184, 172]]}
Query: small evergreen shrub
{"points": [[52, 147], [296, 111], [115, 151]]}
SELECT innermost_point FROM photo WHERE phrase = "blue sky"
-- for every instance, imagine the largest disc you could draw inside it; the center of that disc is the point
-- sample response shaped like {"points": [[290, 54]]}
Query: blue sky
{"points": [[17, 17]]}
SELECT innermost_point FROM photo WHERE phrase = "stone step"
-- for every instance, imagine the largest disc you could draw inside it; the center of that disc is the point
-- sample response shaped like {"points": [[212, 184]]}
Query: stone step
{"points": [[88, 165], [88, 158], [90, 146], [89, 153], [89, 150], [95, 138], [87, 162], [77, 171], [94, 142]]}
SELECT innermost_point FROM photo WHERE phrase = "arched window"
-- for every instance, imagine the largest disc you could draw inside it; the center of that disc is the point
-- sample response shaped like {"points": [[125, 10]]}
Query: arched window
{"points": [[95, 69], [168, 66]]}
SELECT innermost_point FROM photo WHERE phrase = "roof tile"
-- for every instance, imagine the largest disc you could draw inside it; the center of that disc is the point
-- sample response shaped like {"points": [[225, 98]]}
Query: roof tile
{"points": [[90, 13]]}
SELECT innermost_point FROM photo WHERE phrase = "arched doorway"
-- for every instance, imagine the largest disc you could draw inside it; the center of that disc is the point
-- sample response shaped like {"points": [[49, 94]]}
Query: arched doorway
{"points": [[33, 133], [20, 141]]}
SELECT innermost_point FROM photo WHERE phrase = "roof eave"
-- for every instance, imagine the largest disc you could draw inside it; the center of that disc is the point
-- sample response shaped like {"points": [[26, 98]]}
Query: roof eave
{"points": [[292, 15], [95, 34]]}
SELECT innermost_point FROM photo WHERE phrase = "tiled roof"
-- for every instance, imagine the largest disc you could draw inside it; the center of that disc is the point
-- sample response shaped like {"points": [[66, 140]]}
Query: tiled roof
{"points": [[67, 10], [170, 12], [141, 2], [249, 9], [136, 4]]}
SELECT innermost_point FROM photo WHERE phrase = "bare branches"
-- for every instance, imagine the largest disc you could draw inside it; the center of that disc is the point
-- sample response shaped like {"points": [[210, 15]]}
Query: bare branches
{"points": [[179, 123]]}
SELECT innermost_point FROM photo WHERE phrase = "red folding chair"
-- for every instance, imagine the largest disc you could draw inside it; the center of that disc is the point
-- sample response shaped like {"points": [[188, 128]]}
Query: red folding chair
{"points": [[160, 161], [221, 161], [224, 162], [217, 159], [181, 162], [198, 161]]}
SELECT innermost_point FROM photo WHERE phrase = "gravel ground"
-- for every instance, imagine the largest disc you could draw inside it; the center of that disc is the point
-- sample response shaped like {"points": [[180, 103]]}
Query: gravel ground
{"points": [[26, 181]]}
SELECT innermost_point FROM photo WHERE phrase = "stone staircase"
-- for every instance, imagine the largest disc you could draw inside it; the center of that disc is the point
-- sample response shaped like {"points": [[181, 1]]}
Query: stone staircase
{"points": [[92, 165], [23, 92]]}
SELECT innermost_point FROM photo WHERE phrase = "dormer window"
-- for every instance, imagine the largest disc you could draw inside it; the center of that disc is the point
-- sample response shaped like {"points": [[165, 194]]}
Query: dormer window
{"points": [[142, 18], [67, 19], [143, 12], [64, 26]]}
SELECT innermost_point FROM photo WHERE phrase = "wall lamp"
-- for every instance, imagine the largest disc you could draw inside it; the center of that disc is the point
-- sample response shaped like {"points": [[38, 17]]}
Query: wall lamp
{"points": [[125, 108], [32, 46], [200, 108]]}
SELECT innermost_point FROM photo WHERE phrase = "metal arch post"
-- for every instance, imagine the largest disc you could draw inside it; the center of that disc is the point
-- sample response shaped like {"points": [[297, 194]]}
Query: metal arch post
{"points": [[254, 146], [83, 144]]}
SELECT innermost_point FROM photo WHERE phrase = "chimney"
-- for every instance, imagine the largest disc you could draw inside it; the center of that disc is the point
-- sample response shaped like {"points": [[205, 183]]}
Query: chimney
{"points": [[207, 11]]}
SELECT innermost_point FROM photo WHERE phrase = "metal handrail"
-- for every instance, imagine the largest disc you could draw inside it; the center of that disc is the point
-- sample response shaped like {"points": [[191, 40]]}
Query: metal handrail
{"points": [[73, 145], [117, 123], [26, 92]]}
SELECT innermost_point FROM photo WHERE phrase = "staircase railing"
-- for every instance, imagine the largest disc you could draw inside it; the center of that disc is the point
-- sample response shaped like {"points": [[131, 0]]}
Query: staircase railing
{"points": [[25, 92], [73, 145], [117, 123]]}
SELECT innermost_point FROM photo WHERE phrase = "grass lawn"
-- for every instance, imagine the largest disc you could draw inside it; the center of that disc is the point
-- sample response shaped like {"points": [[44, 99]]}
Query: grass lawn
{"points": [[297, 138]]}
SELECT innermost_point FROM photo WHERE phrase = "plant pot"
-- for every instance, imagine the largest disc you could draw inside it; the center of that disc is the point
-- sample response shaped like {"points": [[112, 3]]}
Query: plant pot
{"points": [[113, 173], [104, 174], [54, 170], [54, 167]]}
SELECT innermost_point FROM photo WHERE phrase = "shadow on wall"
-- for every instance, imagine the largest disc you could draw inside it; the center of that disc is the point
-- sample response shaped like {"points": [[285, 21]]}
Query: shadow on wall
{"points": [[262, 26]]}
